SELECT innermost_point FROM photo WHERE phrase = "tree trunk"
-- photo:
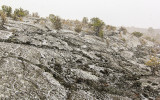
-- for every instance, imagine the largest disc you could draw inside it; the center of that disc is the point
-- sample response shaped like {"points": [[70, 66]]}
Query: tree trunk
{"points": [[153, 68]]}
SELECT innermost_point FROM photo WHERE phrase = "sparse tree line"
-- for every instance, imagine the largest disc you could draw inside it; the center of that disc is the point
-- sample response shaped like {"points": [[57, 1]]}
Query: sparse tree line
{"points": [[94, 25]]}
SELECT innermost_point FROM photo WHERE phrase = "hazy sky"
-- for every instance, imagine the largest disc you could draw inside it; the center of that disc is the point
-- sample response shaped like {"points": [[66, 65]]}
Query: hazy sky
{"points": [[139, 13]]}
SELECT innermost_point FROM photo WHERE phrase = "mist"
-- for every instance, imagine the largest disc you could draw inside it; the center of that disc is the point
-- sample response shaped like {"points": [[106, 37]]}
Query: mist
{"points": [[137, 13]]}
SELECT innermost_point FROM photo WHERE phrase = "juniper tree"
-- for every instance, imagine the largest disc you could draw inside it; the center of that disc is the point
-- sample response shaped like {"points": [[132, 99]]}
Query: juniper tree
{"points": [[97, 25], [7, 10], [56, 22]]}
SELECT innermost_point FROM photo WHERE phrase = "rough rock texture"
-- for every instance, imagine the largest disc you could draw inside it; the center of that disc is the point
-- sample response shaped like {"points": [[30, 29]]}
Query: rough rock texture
{"points": [[37, 63]]}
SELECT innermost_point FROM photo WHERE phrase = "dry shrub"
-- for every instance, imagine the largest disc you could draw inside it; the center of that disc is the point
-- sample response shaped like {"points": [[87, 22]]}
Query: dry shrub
{"points": [[78, 28], [56, 22], [143, 42], [35, 15], [3, 19], [154, 63]]}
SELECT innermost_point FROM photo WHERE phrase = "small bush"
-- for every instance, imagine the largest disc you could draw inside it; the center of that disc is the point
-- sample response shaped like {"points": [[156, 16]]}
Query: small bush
{"points": [[85, 20], [154, 63], [150, 30], [143, 42], [110, 28], [3, 19], [7, 10], [56, 22], [15, 17], [78, 28], [77, 22], [19, 12], [150, 39], [123, 39], [123, 29], [26, 12], [153, 40], [42, 22], [35, 15], [51, 16], [153, 50], [137, 34]]}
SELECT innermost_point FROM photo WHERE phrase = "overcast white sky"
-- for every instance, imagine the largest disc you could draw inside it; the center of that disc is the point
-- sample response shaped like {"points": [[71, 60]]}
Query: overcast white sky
{"points": [[138, 13]]}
